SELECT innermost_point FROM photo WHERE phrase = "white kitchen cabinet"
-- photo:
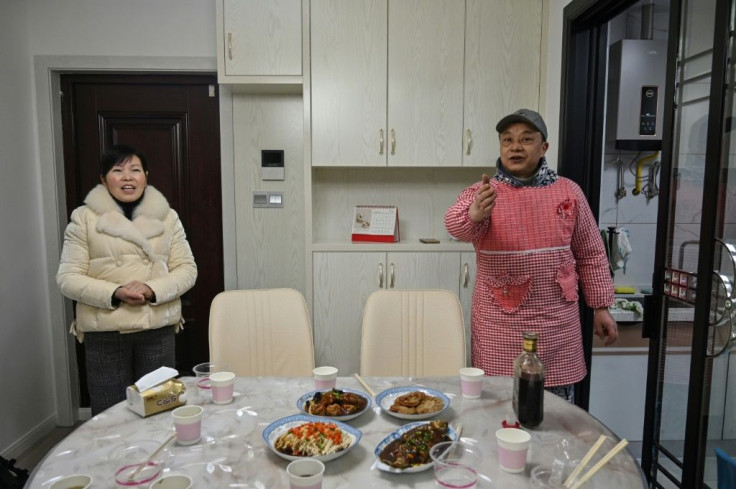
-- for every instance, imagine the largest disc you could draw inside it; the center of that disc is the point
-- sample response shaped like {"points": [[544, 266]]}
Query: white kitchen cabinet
{"points": [[503, 66], [259, 41], [344, 280], [467, 283], [387, 82]]}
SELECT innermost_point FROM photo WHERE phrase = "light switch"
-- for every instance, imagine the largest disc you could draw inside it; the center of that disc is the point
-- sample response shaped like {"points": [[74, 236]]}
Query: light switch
{"points": [[276, 199], [260, 199]]}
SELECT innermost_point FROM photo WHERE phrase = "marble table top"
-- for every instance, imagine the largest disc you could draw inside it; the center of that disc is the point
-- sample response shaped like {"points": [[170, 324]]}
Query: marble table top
{"points": [[232, 452]]}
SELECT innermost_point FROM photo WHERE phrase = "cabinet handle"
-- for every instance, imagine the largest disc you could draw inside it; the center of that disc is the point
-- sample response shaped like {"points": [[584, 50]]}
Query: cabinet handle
{"points": [[381, 141], [380, 275], [230, 45], [391, 276], [393, 142], [466, 275], [469, 139]]}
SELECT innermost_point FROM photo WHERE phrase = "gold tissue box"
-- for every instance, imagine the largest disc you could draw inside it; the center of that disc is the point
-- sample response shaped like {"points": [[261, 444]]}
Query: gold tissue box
{"points": [[162, 397]]}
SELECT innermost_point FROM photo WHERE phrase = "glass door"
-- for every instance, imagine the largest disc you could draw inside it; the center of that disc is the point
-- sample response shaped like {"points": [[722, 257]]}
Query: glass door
{"points": [[691, 398]]}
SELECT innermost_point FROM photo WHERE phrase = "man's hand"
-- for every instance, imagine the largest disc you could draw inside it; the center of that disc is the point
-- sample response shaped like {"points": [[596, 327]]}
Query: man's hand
{"points": [[485, 201], [605, 326], [134, 293]]}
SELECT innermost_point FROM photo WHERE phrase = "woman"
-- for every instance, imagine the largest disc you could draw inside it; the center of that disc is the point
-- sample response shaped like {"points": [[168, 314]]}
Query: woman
{"points": [[125, 261]]}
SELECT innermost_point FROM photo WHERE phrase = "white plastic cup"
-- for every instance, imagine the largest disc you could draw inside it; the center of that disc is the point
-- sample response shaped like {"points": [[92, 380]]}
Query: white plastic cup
{"points": [[188, 424], [172, 481], [325, 378], [513, 445], [73, 481], [305, 473], [222, 384], [471, 382], [456, 464]]}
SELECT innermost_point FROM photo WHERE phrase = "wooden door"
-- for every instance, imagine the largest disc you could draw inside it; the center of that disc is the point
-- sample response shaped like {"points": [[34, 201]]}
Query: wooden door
{"points": [[348, 62], [174, 121], [425, 82]]}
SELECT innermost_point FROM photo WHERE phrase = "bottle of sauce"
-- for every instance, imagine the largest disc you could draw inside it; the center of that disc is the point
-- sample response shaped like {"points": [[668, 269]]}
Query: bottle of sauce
{"points": [[529, 372]]}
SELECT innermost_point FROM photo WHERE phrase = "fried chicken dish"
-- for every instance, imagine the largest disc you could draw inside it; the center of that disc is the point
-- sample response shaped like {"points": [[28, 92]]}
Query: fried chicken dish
{"points": [[416, 402], [412, 448], [335, 403]]}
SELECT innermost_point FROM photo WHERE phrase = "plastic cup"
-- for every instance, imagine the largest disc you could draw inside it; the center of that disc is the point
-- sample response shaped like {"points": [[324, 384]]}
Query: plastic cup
{"points": [[172, 481], [471, 382], [305, 473], [188, 424], [455, 464], [141, 475], [222, 384], [204, 370], [78, 481], [325, 378], [513, 445]]}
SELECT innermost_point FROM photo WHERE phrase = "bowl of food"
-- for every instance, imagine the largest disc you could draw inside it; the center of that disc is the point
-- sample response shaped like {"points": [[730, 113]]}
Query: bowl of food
{"points": [[299, 436], [412, 402], [407, 449]]}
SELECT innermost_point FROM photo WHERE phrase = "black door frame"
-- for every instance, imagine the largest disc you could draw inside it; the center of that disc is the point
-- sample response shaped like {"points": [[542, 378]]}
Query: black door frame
{"points": [[584, 57]]}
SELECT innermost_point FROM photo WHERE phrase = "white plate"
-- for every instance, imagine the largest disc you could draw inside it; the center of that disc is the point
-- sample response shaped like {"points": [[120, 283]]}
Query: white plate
{"points": [[385, 399], [302, 401], [281, 426], [451, 433]]}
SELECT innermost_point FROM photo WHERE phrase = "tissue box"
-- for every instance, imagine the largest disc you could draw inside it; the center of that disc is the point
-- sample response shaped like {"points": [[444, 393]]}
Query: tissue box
{"points": [[162, 397]]}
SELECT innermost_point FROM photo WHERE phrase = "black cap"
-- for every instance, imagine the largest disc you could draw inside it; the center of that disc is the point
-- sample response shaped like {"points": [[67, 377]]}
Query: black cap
{"points": [[526, 116]]}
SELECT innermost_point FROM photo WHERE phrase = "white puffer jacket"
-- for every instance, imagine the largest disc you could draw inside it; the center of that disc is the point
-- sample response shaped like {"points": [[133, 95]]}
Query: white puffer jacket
{"points": [[104, 250]]}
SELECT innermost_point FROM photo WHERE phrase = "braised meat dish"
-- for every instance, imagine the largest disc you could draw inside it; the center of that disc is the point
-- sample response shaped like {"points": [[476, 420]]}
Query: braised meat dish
{"points": [[416, 402], [412, 448], [335, 403]]}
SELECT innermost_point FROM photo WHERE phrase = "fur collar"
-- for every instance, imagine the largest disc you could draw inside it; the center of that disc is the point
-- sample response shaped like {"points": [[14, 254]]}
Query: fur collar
{"points": [[147, 220]]}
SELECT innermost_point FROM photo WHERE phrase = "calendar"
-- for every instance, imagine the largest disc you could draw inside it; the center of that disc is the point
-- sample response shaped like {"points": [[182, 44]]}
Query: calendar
{"points": [[376, 223]]}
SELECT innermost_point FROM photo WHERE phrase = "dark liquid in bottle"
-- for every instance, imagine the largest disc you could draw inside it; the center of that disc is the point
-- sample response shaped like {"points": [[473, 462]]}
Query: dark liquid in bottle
{"points": [[531, 401]]}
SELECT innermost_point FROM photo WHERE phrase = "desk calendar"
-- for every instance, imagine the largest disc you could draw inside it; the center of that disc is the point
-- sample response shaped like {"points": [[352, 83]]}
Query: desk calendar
{"points": [[376, 223]]}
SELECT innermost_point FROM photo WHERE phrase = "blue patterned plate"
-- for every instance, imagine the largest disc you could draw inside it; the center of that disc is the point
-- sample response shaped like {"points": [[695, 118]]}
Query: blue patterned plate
{"points": [[301, 404], [385, 400], [451, 433], [281, 426]]}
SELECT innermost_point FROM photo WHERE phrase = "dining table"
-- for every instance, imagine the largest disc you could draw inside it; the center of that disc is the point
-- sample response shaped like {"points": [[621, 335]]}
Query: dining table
{"points": [[232, 451]]}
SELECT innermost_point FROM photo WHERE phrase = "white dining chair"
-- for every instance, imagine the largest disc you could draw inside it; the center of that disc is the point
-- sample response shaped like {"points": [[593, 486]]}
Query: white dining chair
{"points": [[412, 333], [263, 332]]}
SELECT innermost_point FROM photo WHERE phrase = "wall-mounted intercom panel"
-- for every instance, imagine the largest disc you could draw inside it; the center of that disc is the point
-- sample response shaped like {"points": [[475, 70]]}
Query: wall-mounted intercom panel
{"points": [[272, 164]]}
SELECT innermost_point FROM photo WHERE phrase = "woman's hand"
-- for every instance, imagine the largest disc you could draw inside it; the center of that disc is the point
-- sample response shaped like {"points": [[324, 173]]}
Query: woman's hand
{"points": [[604, 325], [485, 201], [134, 293]]}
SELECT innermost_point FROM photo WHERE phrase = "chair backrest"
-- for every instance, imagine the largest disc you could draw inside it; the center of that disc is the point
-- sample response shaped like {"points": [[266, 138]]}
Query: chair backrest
{"points": [[412, 333], [726, 466], [262, 332]]}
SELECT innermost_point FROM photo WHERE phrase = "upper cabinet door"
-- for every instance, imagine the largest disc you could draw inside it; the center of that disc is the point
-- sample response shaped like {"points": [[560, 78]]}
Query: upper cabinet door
{"points": [[425, 83], [348, 82], [260, 38], [502, 70]]}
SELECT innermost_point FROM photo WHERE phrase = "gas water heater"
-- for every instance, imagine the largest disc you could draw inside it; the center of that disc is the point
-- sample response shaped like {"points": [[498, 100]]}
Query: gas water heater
{"points": [[636, 81]]}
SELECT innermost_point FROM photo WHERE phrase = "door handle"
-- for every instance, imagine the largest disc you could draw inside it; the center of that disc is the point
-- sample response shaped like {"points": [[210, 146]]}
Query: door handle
{"points": [[380, 275], [466, 275], [230, 46], [391, 276]]}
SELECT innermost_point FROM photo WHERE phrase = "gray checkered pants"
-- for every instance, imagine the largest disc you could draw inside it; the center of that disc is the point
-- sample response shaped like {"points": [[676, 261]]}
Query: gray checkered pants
{"points": [[115, 361], [567, 392]]}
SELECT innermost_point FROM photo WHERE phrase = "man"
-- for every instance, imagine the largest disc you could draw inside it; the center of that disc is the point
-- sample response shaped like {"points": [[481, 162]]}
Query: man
{"points": [[535, 239]]}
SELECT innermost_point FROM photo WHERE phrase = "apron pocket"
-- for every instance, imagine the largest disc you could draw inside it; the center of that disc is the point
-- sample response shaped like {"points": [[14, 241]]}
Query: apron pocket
{"points": [[510, 292]]}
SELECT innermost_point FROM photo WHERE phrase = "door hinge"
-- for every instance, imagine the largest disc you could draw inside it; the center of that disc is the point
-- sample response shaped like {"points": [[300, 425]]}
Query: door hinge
{"points": [[212, 91]]}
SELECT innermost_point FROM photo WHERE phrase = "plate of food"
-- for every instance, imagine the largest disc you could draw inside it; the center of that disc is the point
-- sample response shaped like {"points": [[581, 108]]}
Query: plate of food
{"points": [[412, 402], [301, 436], [337, 404], [406, 450]]}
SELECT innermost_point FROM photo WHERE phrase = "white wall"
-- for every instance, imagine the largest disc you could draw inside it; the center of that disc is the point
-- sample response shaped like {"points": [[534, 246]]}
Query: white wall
{"points": [[25, 350]]}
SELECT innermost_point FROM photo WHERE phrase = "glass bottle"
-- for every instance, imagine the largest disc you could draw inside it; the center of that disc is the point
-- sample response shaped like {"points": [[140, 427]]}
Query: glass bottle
{"points": [[529, 372]]}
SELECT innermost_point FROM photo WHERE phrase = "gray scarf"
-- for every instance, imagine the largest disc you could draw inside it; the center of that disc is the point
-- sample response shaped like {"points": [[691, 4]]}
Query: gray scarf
{"points": [[543, 177]]}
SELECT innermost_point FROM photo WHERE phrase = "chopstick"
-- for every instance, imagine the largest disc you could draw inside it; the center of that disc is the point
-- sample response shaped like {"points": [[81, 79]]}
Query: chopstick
{"points": [[603, 461], [365, 386], [584, 461], [151, 457]]}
